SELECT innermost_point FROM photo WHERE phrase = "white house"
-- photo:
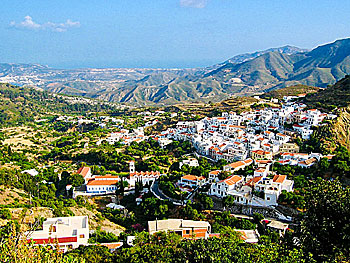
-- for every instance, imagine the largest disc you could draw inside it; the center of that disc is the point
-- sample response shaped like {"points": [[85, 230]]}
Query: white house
{"points": [[232, 167], [221, 188], [85, 172], [68, 232], [192, 162], [191, 181], [102, 184]]}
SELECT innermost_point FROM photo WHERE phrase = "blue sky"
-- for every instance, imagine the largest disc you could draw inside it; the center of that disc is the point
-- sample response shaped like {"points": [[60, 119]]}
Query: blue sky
{"points": [[161, 33]]}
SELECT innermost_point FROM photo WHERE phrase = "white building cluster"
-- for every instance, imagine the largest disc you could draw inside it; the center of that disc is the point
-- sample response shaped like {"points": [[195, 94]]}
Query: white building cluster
{"points": [[125, 137], [257, 134], [256, 138]]}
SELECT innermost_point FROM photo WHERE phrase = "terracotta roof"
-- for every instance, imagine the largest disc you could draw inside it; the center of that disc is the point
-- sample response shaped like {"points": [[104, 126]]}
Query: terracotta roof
{"points": [[83, 171], [248, 161], [308, 161], [261, 170], [216, 172], [232, 180], [237, 164], [147, 174], [254, 180], [260, 152], [102, 182], [279, 178], [263, 161], [112, 245], [193, 177], [115, 177]]}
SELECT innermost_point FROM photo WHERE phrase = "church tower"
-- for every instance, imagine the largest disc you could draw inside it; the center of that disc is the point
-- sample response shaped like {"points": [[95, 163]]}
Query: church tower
{"points": [[132, 167]]}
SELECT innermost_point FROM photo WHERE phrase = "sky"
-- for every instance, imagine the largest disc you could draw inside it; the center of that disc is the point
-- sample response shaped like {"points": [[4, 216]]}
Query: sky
{"points": [[161, 33]]}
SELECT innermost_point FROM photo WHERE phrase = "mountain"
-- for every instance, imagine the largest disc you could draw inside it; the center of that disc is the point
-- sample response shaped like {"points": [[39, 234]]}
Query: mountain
{"points": [[289, 50], [246, 74], [322, 66]]}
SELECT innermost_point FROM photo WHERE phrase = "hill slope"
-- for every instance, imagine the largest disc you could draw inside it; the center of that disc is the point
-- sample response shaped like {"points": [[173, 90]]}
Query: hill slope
{"points": [[338, 132], [19, 104]]}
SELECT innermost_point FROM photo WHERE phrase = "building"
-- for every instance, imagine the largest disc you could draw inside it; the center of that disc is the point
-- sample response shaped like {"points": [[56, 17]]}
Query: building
{"points": [[289, 148], [213, 176], [67, 232], [85, 172], [192, 162], [261, 155], [102, 184], [221, 188], [144, 177], [233, 167], [184, 228], [249, 236], [191, 181]]}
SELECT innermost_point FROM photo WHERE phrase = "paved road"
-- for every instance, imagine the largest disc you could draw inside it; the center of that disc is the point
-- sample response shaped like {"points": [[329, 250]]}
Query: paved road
{"points": [[155, 190]]}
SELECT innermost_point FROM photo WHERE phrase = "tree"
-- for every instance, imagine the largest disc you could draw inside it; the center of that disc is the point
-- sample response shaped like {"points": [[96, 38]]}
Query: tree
{"points": [[325, 228], [229, 201], [5, 214], [100, 236]]}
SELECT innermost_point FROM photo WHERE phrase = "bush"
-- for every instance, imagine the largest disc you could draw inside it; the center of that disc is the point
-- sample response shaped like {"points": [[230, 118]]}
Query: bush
{"points": [[5, 214]]}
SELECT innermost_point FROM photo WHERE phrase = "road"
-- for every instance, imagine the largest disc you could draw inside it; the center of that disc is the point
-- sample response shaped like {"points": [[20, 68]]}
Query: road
{"points": [[155, 190]]}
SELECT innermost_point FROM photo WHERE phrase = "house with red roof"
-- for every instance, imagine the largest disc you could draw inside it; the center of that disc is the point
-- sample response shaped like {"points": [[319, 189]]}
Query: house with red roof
{"points": [[191, 181], [221, 188], [102, 184], [233, 167], [261, 155], [85, 172]]}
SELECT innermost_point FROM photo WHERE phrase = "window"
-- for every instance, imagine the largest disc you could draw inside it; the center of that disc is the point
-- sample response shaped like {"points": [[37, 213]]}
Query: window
{"points": [[53, 228], [188, 232], [268, 198], [81, 236], [75, 232]]}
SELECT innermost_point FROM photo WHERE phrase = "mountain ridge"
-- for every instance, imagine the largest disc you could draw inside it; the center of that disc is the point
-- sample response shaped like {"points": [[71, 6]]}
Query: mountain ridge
{"points": [[255, 73]]}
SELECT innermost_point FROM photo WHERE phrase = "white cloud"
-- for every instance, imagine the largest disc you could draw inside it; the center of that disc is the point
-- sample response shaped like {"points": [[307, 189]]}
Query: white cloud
{"points": [[29, 24], [193, 3]]}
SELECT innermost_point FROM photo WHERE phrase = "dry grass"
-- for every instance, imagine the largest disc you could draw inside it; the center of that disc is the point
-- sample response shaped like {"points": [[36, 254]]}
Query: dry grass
{"points": [[9, 195], [94, 221]]}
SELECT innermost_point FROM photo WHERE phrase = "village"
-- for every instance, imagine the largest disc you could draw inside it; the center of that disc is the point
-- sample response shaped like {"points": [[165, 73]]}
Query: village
{"points": [[249, 144]]}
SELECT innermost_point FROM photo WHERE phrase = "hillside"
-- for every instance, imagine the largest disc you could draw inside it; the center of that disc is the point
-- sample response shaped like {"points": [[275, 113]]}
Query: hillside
{"points": [[18, 104], [336, 96], [245, 74], [290, 91]]}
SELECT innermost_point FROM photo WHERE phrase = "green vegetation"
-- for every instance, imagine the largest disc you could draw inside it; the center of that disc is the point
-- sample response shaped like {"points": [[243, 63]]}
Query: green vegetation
{"points": [[100, 236], [290, 91], [337, 95], [21, 105]]}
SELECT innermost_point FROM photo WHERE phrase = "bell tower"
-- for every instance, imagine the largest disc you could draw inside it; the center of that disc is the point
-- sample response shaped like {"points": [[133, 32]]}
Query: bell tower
{"points": [[132, 167]]}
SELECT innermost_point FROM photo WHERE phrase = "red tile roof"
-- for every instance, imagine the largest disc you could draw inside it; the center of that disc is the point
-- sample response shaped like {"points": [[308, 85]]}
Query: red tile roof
{"points": [[232, 180], [279, 178], [193, 177], [102, 182], [83, 171]]}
